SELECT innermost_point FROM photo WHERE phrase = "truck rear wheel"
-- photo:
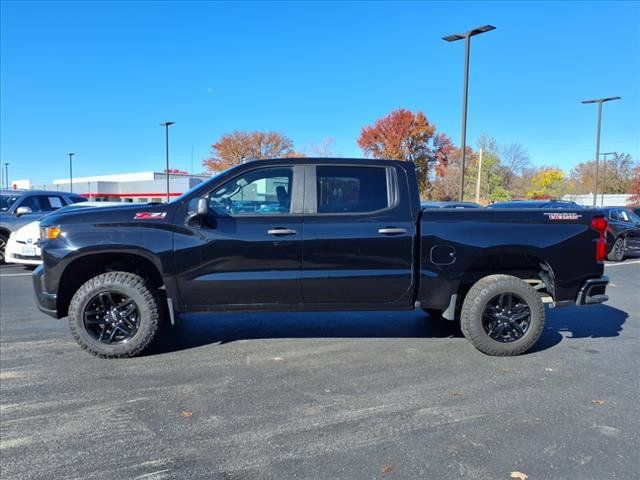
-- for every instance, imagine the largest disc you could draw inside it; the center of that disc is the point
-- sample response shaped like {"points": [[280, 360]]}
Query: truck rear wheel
{"points": [[502, 315], [114, 315]]}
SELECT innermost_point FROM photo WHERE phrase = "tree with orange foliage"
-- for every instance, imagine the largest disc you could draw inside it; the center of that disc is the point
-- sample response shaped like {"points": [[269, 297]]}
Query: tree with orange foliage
{"points": [[404, 135], [236, 147]]}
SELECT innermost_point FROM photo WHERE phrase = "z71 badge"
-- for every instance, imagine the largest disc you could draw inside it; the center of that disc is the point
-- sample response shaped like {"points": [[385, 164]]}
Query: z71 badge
{"points": [[150, 215], [563, 215]]}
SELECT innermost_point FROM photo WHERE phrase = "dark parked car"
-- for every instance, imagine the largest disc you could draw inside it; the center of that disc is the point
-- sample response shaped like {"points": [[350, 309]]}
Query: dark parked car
{"points": [[315, 234], [20, 207], [623, 232], [556, 204], [450, 205]]}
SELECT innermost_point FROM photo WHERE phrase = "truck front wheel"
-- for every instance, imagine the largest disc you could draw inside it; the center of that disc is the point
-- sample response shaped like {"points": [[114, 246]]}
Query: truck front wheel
{"points": [[502, 315], [114, 315]]}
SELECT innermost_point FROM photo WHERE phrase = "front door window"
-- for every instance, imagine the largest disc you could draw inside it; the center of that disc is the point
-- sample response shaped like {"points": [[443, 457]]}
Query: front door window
{"points": [[259, 192]]}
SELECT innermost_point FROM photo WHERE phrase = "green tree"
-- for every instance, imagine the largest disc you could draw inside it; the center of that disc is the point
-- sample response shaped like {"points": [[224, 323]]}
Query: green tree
{"points": [[548, 182]]}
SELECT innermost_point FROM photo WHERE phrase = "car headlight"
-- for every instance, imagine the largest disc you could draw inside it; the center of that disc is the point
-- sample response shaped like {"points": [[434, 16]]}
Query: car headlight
{"points": [[50, 233]]}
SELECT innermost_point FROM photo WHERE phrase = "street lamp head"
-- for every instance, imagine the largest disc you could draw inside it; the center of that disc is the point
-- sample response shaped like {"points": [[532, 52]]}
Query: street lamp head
{"points": [[167, 124], [601, 100], [71, 154], [453, 38], [483, 29], [476, 31]]}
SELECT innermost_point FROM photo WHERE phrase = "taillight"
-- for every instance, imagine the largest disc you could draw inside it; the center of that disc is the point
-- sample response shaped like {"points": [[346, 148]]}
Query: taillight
{"points": [[599, 224]]}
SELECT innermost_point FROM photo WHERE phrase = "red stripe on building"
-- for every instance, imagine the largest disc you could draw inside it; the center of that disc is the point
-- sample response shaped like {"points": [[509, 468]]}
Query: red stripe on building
{"points": [[98, 194]]}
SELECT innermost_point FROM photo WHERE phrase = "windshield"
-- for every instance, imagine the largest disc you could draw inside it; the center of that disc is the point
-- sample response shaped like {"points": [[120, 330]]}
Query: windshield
{"points": [[188, 192], [6, 201], [632, 216]]}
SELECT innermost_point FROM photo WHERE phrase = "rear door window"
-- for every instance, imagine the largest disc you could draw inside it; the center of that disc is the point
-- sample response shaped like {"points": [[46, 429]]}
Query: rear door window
{"points": [[52, 202], [346, 189]]}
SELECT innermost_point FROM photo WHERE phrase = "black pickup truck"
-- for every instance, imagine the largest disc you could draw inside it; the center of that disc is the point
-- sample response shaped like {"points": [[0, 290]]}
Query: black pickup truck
{"points": [[315, 234]]}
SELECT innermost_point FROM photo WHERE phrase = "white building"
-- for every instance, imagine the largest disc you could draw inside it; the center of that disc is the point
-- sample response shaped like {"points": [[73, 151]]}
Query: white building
{"points": [[138, 187], [606, 200]]}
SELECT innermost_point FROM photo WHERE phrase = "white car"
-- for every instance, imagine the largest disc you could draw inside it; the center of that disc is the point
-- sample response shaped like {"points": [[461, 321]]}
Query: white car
{"points": [[23, 245]]}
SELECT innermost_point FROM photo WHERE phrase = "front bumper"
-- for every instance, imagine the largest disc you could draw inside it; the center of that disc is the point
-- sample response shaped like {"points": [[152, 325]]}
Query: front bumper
{"points": [[593, 291], [47, 302], [14, 254]]}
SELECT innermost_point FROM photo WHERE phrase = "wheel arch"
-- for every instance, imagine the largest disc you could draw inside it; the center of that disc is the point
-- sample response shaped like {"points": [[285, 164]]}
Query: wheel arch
{"points": [[529, 265], [89, 265]]}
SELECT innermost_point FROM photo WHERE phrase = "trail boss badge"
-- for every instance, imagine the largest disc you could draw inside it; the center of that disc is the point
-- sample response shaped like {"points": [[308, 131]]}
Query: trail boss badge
{"points": [[563, 215]]}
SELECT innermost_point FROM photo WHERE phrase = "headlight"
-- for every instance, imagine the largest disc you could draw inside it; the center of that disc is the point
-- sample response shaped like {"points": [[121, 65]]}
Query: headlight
{"points": [[50, 233]]}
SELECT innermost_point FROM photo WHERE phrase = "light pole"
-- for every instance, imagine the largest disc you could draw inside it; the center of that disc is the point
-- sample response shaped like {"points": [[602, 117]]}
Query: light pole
{"points": [[71, 171], [166, 126], [467, 37], [599, 101], [604, 175], [6, 174]]}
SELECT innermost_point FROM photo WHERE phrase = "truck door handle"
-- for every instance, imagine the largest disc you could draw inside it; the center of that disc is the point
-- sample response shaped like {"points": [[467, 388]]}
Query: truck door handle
{"points": [[392, 231], [281, 231]]}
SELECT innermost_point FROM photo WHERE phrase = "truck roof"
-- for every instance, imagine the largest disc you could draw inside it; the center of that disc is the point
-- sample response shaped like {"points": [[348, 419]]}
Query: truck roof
{"points": [[329, 160]]}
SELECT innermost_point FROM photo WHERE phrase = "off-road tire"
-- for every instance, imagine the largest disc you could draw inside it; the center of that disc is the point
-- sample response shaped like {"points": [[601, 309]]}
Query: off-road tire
{"points": [[617, 251], [481, 293], [131, 285]]}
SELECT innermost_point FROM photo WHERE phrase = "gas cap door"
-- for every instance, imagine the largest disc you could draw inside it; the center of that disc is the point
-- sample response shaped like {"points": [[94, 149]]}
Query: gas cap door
{"points": [[442, 254]]}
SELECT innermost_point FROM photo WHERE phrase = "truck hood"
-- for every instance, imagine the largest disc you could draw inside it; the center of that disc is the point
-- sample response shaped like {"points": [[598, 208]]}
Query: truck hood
{"points": [[116, 214], [31, 231]]}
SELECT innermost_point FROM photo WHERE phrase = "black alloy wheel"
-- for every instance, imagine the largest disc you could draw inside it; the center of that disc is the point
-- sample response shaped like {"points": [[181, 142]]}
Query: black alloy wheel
{"points": [[502, 315], [506, 317], [617, 251], [111, 318]]}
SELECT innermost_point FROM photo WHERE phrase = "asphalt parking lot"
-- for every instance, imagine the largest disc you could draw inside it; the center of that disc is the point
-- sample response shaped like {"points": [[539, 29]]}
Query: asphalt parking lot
{"points": [[370, 395]]}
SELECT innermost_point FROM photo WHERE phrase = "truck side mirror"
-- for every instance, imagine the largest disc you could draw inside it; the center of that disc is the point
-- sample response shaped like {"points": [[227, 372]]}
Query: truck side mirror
{"points": [[203, 207], [23, 211], [200, 214]]}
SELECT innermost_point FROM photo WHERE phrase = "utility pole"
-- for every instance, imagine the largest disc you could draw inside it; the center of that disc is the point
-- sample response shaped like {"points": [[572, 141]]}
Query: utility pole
{"points": [[6, 174], [166, 126], [604, 175], [599, 101], [71, 171], [465, 93], [478, 179]]}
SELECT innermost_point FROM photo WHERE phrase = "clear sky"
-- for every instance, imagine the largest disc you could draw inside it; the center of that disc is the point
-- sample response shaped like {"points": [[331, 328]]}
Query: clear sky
{"points": [[97, 78]]}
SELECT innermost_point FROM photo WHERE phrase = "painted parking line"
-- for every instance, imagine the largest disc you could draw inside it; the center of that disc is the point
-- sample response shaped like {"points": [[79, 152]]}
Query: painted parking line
{"points": [[622, 263], [15, 274]]}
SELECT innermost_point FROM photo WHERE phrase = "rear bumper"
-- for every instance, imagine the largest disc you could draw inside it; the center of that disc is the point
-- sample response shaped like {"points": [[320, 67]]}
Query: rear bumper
{"points": [[593, 291], [47, 302]]}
